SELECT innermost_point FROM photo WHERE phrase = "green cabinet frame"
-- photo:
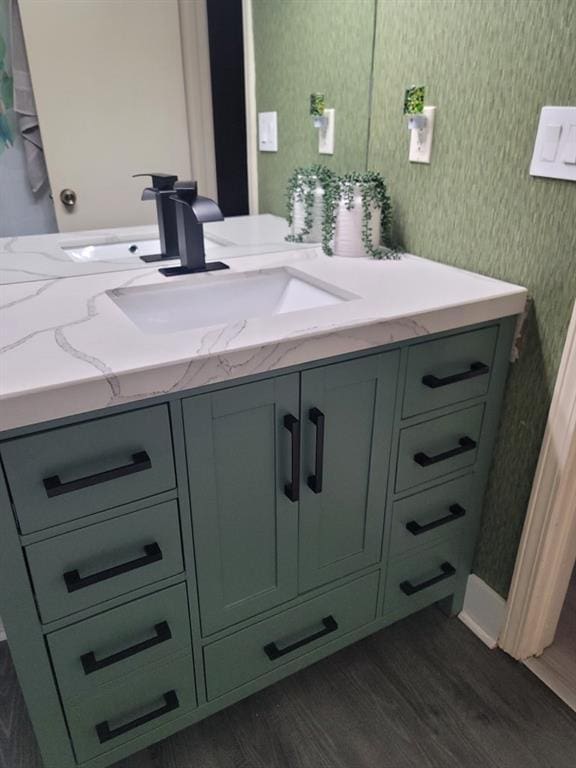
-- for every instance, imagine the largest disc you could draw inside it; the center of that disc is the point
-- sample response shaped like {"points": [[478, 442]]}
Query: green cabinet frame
{"points": [[341, 526], [253, 550]]}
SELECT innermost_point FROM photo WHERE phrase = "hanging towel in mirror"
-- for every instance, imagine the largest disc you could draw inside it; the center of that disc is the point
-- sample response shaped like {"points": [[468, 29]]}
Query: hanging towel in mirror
{"points": [[24, 104]]}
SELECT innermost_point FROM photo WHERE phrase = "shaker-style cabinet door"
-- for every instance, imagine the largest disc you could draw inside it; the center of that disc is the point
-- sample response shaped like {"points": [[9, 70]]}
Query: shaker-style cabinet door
{"points": [[242, 448], [346, 413]]}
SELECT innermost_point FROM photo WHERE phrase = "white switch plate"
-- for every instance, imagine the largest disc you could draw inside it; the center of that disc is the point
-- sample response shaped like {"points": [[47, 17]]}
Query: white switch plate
{"points": [[326, 134], [268, 131], [421, 141], [555, 148]]}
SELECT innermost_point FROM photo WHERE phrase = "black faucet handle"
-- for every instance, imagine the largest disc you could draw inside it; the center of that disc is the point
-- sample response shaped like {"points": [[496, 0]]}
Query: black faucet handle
{"points": [[160, 181]]}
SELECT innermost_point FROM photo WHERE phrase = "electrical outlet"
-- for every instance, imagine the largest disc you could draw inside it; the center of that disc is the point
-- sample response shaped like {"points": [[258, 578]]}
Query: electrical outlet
{"points": [[421, 140], [326, 133]]}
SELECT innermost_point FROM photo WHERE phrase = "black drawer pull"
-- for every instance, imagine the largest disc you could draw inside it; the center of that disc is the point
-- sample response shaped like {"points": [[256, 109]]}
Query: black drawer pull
{"points": [[105, 733], [91, 664], [465, 444], [273, 652], [292, 489], [315, 481], [410, 589], [54, 486], [476, 369], [74, 581], [456, 512]]}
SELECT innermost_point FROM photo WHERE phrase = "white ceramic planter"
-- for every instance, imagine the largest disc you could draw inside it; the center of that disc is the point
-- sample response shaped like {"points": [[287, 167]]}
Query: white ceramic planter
{"points": [[348, 230], [315, 234]]}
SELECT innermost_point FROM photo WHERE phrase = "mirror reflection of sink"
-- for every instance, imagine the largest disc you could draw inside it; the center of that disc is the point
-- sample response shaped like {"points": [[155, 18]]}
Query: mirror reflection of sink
{"points": [[198, 302], [129, 249]]}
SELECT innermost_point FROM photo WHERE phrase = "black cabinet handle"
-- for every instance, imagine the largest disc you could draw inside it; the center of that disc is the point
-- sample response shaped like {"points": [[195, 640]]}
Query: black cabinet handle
{"points": [[318, 419], [476, 369], [456, 512], [410, 589], [91, 664], [465, 444], [273, 652], [74, 581], [292, 489], [105, 733], [54, 486]]}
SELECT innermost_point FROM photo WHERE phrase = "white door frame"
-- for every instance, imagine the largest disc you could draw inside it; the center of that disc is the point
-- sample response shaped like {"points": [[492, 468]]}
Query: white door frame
{"points": [[250, 100], [548, 546], [198, 89]]}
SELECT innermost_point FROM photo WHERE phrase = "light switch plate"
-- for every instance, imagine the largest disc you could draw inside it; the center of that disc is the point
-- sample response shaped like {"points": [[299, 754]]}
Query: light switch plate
{"points": [[268, 131], [555, 148], [326, 134], [421, 141]]}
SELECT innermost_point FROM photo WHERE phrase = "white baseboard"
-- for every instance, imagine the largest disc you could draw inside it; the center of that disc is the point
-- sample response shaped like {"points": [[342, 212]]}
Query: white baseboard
{"points": [[484, 611]]}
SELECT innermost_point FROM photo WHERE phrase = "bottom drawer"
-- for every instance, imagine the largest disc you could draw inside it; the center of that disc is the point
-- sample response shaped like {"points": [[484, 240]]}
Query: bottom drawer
{"points": [[264, 646], [422, 578], [132, 706]]}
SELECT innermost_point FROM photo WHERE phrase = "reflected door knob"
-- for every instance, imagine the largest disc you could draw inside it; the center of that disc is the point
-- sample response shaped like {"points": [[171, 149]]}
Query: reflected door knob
{"points": [[68, 198]]}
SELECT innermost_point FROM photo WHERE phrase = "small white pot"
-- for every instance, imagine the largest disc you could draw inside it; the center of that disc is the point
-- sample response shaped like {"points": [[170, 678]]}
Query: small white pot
{"points": [[315, 234], [348, 230]]}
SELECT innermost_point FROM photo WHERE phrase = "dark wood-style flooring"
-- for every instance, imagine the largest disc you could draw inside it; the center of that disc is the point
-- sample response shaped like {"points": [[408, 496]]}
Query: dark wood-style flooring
{"points": [[424, 693]]}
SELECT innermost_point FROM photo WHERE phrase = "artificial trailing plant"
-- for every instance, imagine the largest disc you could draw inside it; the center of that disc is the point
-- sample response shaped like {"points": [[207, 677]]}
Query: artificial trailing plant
{"points": [[371, 188], [301, 187]]}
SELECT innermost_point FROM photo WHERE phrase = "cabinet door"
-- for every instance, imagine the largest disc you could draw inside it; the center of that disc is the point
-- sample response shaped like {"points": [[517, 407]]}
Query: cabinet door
{"points": [[345, 469], [239, 454]]}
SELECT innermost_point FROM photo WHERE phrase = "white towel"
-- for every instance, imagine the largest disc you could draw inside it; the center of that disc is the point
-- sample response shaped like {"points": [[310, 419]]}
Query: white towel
{"points": [[24, 104]]}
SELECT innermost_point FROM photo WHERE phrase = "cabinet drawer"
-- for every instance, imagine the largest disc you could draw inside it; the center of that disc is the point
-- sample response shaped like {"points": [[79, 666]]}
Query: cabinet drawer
{"points": [[434, 515], [71, 472], [268, 644], [99, 562], [135, 705], [422, 578], [101, 649], [449, 370], [437, 447]]}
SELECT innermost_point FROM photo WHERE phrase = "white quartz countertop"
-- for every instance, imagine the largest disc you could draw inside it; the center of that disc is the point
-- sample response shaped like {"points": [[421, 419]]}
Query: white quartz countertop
{"points": [[67, 348]]}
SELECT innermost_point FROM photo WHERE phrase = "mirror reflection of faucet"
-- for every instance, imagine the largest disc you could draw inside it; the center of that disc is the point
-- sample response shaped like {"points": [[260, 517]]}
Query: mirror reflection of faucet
{"points": [[162, 190]]}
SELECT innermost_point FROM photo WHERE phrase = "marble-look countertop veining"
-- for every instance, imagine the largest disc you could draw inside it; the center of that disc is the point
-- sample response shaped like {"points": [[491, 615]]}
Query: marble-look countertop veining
{"points": [[45, 257], [67, 348]]}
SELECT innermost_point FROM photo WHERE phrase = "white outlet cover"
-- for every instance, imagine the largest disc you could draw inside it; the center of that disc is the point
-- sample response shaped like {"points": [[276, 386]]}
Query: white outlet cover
{"points": [[268, 131], [555, 148], [326, 134], [421, 141]]}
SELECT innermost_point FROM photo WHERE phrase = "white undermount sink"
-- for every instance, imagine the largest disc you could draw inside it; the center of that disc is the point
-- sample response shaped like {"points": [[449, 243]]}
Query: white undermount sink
{"points": [[220, 299], [128, 249]]}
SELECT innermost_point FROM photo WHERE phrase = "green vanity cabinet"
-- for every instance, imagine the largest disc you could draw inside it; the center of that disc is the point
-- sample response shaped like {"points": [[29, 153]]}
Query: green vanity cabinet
{"points": [[162, 560], [347, 416], [238, 451]]}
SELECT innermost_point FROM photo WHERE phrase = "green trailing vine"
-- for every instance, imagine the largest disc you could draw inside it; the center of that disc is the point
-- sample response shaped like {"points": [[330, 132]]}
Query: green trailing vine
{"points": [[301, 187], [372, 189], [369, 185]]}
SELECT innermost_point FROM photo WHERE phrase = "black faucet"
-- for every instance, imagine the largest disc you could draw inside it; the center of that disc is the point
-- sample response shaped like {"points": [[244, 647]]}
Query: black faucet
{"points": [[192, 212], [162, 190]]}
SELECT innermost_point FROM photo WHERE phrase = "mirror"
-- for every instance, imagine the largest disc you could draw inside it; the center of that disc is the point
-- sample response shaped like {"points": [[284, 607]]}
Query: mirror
{"points": [[93, 93]]}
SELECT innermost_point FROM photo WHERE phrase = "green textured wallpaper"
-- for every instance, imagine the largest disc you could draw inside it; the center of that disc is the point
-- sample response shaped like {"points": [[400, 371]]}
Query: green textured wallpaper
{"points": [[306, 46], [488, 66]]}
